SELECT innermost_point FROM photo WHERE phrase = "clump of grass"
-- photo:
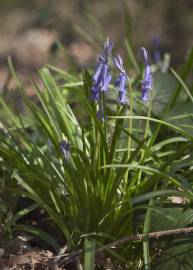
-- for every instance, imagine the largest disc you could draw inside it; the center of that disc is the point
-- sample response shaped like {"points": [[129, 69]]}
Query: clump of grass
{"points": [[94, 164]]}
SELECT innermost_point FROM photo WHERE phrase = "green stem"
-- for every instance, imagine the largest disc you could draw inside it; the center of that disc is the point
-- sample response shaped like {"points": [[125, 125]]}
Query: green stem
{"points": [[130, 229], [143, 153], [104, 126], [96, 139], [146, 230], [131, 120], [130, 127]]}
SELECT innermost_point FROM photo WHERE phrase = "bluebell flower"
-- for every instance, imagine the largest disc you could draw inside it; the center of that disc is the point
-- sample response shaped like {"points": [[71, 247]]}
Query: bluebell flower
{"points": [[102, 76], [156, 50], [120, 83], [65, 148], [147, 83]]}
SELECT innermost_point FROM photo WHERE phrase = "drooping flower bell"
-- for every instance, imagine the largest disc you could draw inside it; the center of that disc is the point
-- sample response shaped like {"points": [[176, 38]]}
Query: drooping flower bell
{"points": [[120, 83], [102, 76], [147, 83]]}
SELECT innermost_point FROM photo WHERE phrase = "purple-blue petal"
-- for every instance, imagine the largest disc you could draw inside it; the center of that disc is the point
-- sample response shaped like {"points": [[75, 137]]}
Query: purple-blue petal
{"points": [[147, 72], [122, 83], [97, 73], [104, 72], [144, 94], [106, 82], [117, 82], [95, 92], [122, 97], [146, 87], [102, 76], [147, 83]]}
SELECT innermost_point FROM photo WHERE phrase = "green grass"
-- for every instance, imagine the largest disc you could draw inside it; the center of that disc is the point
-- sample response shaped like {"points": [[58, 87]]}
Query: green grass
{"points": [[119, 171]]}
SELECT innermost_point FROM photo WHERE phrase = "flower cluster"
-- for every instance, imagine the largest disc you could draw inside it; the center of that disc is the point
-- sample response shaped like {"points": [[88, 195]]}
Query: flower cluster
{"points": [[147, 84], [101, 80], [102, 76]]}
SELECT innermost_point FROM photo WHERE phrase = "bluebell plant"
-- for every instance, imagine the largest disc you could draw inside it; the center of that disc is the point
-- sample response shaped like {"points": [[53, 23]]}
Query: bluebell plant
{"points": [[147, 83], [120, 83], [102, 76]]}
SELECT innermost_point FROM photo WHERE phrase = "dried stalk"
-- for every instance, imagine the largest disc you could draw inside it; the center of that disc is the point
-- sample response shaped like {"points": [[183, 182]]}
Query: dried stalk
{"points": [[66, 258]]}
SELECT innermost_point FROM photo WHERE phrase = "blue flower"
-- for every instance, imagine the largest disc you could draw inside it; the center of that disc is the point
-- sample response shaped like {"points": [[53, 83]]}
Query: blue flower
{"points": [[65, 148], [120, 83], [102, 76], [147, 83], [156, 50]]}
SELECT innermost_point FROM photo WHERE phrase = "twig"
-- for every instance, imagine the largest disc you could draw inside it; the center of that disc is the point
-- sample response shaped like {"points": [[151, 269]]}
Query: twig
{"points": [[140, 237]]}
